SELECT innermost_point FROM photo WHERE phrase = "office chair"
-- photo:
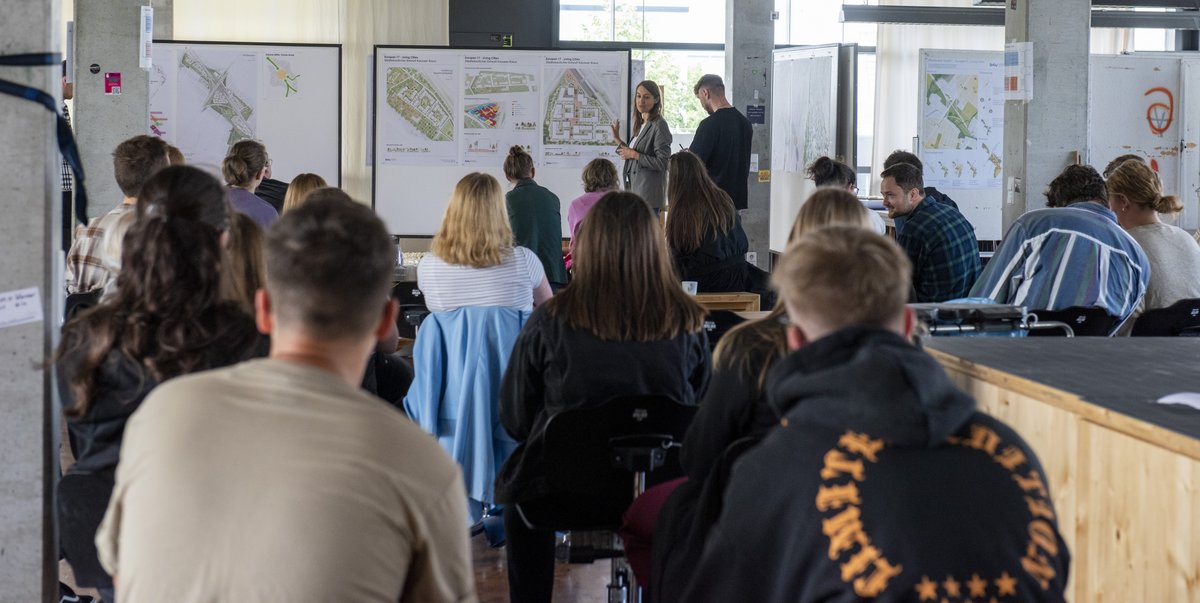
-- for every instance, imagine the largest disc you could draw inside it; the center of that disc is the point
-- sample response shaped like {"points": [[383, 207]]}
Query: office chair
{"points": [[1083, 322], [598, 459], [1180, 319]]}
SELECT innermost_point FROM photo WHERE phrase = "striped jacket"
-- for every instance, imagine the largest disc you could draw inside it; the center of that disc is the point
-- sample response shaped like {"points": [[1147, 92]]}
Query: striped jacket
{"points": [[1056, 258]]}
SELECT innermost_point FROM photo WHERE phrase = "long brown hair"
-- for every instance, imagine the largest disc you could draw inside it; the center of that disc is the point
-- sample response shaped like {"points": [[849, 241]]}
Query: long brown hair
{"points": [[697, 205], [166, 313], [243, 264], [655, 111], [620, 255]]}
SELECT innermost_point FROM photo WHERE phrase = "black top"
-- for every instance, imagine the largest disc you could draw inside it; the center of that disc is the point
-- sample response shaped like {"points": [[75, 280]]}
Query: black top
{"points": [[272, 191], [883, 484], [722, 142], [719, 263], [555, 367]]}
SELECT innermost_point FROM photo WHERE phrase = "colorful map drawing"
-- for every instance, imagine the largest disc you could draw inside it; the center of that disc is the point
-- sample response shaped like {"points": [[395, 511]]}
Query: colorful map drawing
{"points": [[577, 112], [955, 99], [283, 76], [499, 82], [486, 115], [415, 97], [220, 98], [157, 123]]}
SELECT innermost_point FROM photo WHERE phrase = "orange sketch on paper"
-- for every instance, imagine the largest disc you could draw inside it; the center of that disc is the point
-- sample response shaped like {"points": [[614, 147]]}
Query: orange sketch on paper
{"points": [[1160, 116]]}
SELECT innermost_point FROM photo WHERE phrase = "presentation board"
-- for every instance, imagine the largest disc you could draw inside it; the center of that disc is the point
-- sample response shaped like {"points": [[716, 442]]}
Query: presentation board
{"points": [[961, 132], [206, 96], [808, 120], [441, 113], [1142, 101]]}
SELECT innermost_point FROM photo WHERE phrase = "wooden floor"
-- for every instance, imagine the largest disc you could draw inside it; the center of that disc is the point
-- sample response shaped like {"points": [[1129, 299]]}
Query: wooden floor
{"points": [[572, 583]]}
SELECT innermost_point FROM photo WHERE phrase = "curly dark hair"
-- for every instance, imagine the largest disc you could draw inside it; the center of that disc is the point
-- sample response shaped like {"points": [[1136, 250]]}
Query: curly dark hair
{"points": [[166, 314], [1076, 184]]}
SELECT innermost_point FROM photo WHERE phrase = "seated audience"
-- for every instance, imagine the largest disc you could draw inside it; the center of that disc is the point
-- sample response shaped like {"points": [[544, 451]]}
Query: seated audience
{"points": [[278, 478], [938, 240], [134, 162], [110, 249], [165, 318], [1073, 253], [246, 166], [623, 326], [299, 190], [828, 172], [1135, 195], [535, 215], [882, 481], [705, 234], [599, 179], [899, 156], [734, 407], [472, 260]]}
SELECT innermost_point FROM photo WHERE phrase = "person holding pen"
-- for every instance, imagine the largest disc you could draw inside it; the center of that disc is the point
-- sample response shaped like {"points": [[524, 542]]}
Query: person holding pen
{"points": [[646, 154]]}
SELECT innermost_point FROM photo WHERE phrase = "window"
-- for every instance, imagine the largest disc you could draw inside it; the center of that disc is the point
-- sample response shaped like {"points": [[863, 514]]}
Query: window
{"points": [[676, 72], [661, 21]]}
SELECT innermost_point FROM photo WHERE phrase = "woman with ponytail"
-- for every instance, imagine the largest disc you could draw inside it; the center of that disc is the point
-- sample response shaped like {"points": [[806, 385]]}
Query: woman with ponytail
{"points": [[1135, 195], [246, 166], [166, 318]]}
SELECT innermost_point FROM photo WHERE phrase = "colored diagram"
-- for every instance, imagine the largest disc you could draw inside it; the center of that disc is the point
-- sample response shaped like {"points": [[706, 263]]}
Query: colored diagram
{"points": [[577, 112], [414, 96], [499, 82], [486, 115], [158, 122], [221, 99], [283, 76]]}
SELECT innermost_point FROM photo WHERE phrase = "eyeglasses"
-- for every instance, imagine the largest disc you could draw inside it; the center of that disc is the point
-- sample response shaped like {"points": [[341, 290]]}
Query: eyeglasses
{"points": [[854, 188]]}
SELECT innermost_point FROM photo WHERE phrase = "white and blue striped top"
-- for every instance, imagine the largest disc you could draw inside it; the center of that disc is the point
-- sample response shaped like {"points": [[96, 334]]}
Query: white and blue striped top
{"points": [[509, 284]]}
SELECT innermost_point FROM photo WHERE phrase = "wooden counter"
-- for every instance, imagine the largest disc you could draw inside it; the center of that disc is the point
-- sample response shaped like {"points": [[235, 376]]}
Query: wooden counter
{"points": [[1124, 472]]}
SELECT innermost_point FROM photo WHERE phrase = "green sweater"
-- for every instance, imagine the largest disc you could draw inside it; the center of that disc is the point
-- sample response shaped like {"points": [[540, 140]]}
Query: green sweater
{"points": [[535, 215]]}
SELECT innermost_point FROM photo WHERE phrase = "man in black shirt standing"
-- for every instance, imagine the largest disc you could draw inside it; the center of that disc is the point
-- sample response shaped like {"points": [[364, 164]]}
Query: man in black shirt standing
{"points": [[723, 139]]}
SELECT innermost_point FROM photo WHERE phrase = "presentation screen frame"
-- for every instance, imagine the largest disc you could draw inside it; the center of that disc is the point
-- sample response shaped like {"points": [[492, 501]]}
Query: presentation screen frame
{"points": [[411, 198]]}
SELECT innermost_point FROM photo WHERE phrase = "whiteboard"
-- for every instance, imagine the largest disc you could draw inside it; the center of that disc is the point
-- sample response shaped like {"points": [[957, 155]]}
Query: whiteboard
{"points": [[205, 96], [804, 114], [1141, 102], [961, 132], [441, 113]]}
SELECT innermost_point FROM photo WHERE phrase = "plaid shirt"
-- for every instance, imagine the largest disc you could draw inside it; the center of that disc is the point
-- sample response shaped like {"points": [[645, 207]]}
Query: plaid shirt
{"points": [[944, 252], [87, 269], [66, 169]]}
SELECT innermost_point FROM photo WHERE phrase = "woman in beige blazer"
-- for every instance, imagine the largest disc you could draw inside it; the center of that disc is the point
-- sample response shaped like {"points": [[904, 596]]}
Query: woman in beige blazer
{"points": [[647, 152]]}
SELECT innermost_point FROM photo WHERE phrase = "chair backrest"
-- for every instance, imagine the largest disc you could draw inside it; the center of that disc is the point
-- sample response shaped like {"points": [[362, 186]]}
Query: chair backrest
{"points": [[1181, 319], [719, 322], [78, 302], [577, 453], [1084, 321]]}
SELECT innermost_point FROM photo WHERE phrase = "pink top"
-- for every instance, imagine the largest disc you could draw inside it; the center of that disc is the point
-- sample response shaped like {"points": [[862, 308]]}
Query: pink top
{"points": [[580, 208]]}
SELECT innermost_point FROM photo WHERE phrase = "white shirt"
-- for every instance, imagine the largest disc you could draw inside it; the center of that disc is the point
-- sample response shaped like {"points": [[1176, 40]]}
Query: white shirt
{"points": [[509, 284]]}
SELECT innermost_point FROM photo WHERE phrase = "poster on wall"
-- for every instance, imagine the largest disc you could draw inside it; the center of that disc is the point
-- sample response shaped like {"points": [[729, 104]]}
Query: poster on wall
{"points": [[962, 122], [207, 96], [443, 112]]}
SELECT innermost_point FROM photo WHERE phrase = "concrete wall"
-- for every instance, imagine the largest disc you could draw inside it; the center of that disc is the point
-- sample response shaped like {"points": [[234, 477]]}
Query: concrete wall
{"points": [[749, 40], [472, 22], [29, 248], [106, 34]]}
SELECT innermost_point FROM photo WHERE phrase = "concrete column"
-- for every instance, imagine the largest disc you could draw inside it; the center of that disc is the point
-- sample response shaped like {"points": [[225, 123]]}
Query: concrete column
{"points": [[749, 40], [106, 34], [1041, 136], [29, 245]]}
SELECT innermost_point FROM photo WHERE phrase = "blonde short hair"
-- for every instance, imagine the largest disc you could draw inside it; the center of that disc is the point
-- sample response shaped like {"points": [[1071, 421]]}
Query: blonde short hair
{"points": [[843, 276], [475, 230], [830, 206], [299, 189]]}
